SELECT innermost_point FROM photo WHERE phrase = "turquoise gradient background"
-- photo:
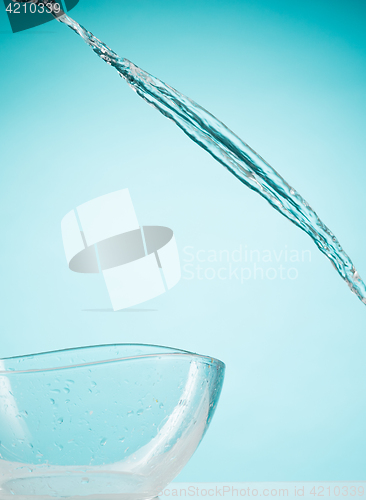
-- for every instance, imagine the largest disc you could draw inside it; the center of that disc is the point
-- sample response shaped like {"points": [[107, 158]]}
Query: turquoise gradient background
{"points": [[289, 77]]}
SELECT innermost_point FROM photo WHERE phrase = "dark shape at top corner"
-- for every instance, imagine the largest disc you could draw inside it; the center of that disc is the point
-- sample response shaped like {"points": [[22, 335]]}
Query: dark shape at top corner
{"points": [[70, 4], [21, 20]]}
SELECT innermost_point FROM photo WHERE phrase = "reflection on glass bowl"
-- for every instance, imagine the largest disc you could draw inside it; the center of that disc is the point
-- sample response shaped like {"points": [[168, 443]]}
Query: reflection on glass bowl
{"points": [[104, 421]]}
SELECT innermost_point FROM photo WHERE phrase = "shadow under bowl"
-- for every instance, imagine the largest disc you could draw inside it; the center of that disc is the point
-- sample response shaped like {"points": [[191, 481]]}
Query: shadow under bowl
{"points": [[102, 422]]}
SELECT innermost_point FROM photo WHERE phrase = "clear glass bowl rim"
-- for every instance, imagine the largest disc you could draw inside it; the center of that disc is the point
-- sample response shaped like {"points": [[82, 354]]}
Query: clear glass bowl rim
{"points": [[174, 352]]}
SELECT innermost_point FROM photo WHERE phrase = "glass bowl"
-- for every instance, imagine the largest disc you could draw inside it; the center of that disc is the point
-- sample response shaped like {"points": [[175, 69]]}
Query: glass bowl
{"points": [[102, 422]]}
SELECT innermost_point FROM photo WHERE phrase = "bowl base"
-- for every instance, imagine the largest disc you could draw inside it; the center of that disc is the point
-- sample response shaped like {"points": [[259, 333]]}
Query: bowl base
{"points": [[78, 486]]}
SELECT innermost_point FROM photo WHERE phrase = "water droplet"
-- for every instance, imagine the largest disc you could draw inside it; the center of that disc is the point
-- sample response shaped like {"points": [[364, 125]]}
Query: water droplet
{"points": [[103, 442], [66, 390], [140, 412], [130, 413], [161, 406], [122, 439], [60, 420], [59, 446], [52, 401], [70, 382], [85, 480], [55, 391], [93, 384]]}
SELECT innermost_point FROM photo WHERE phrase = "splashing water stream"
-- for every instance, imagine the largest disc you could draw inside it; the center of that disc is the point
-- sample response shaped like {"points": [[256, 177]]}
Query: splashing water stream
{"points": [[229, 150]]}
